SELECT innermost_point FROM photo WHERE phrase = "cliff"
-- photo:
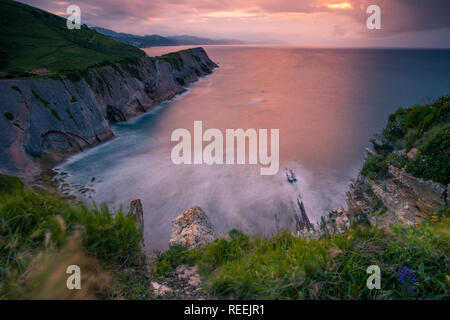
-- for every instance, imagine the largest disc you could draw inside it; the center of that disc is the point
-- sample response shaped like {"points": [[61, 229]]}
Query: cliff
{"points": [[44, 119], [404, 179]]}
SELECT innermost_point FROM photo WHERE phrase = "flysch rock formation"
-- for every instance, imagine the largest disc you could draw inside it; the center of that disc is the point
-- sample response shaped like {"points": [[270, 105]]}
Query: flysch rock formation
{"points": [[400, 198], [45, 119]]}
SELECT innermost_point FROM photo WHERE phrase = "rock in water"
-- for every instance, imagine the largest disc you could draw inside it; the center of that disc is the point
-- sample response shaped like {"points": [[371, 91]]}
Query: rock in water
{"points": [[191, 229]]}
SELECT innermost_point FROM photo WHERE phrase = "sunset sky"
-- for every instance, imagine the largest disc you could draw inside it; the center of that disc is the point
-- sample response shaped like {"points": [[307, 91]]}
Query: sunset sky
{"points": [[405, 23]]}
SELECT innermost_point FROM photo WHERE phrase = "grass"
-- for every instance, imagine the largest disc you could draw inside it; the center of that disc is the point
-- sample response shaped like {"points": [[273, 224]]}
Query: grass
{"points": [[9, 116], [288, 267], [42, 233], [174, 59], [425, 127], [31, 38], [38, 228]]}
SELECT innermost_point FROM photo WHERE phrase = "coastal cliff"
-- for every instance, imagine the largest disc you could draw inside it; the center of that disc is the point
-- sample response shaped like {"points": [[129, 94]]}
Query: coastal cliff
{"points": [[404, 179], [44, 119]]}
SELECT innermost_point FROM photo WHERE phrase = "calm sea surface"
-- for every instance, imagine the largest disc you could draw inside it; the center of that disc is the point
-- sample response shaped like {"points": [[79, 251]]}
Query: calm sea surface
{"points": [[325, 102]]}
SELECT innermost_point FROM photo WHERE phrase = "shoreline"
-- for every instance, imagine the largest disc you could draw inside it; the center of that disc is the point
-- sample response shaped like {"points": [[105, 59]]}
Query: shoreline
{"points": [[52, 172], [83, 109]]}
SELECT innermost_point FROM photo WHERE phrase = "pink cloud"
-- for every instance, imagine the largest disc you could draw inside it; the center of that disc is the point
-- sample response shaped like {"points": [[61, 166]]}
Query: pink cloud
{"points": [[284, 19]]}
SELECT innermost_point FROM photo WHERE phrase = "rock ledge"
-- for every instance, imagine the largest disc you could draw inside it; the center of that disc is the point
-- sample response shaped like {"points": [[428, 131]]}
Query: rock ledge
{"points": [[191, 229]]}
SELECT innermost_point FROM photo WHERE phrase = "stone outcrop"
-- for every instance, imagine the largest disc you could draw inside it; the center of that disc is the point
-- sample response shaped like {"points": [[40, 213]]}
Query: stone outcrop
{"points": [[137, 213], [182, 284], [397, 198], [191, 229], [49, 117]]}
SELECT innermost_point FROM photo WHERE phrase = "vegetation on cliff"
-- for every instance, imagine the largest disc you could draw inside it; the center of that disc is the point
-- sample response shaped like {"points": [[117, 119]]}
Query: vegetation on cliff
{"points": [[424, 132], [41, 234], [289, 267], [31, 39], [334, 266]]}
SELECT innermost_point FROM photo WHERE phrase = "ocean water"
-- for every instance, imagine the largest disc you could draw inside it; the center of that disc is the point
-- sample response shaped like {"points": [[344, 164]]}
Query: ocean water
{"points": [[326, 103]]}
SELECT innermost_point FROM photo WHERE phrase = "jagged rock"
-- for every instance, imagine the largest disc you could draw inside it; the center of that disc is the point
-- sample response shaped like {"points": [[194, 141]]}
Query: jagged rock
{"points": [[302, 218], [447, 199], [114, 114], [377, 140], [428, 194], [380, 144], [369, 152], [137, 212], [399, 198], [191, 229], [183, 283], [342, 224], [190, 273], [160, 289], [399, 152]]}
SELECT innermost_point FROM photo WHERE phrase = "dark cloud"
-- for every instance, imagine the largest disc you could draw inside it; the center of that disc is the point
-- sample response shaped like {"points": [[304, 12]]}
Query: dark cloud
{"points": [[397, 15], [406, 15]]}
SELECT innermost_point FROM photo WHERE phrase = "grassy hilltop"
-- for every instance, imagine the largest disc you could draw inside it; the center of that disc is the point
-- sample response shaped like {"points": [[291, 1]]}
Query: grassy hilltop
{"points": [[31, 39]]}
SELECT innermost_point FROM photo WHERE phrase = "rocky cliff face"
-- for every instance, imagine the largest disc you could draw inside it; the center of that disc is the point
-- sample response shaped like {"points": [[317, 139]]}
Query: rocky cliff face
{"points": [[191, 229], [48, 118], [399, 198]]}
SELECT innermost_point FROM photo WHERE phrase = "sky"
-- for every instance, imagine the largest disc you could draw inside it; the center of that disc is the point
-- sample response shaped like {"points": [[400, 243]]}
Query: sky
{"points": [[404, 23]]}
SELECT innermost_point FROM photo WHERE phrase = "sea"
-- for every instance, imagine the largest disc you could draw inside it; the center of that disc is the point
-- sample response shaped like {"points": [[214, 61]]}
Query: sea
{"points": [[326, 103]]}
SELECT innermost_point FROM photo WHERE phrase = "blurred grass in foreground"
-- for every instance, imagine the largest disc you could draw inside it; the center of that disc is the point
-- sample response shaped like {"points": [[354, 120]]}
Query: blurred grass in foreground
{"points": [[42, 234]]}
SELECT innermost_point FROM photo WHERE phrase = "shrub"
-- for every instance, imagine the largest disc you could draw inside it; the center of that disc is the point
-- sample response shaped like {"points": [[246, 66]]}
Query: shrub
{"points": [[440, 114], [396, 160], [10, 185], [415, 115], [225, 250], [167, 261], [411, 137], [395, 128], [374, 167]]}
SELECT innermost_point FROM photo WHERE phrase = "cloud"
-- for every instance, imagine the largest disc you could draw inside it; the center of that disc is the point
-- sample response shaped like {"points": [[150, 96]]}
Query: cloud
{"points": [[340, 17], [407, 15], [339, 31]]}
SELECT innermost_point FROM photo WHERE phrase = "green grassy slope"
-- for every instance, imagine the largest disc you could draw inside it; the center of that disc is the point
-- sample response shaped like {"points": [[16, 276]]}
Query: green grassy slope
{"points": [[424, 127], [31, 38]]}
